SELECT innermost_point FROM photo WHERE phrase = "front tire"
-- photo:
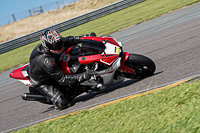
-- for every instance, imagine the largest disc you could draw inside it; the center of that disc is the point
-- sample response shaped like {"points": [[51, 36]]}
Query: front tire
{"points": [[143, 66]]}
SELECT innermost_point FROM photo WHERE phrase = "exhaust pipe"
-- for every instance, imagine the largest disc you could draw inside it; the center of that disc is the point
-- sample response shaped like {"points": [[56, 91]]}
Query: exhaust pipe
{"points": [[34, 97]]}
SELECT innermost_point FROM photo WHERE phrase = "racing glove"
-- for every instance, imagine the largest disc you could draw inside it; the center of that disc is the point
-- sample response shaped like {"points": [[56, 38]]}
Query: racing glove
{"points": [[71, 41], [73, 78], [86, 75]]}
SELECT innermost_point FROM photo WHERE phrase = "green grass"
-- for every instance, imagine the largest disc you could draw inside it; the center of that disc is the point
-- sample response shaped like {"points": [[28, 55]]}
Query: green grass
{"points": [[141, 12], [174, 110]]}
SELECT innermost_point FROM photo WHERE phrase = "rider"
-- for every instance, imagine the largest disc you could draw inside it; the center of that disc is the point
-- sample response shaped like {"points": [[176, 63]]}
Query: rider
{"points": [[45, 72]]}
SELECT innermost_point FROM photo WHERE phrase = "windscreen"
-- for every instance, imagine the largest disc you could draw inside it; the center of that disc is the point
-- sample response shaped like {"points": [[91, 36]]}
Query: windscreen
{"points": [[90, 47]]}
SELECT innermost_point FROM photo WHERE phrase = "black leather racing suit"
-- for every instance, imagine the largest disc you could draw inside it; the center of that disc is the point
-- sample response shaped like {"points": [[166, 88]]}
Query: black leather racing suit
{"points": [[46, 75]]}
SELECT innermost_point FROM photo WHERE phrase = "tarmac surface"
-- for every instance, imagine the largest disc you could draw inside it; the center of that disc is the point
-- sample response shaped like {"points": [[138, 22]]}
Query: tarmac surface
{"points": [[172, 41]]}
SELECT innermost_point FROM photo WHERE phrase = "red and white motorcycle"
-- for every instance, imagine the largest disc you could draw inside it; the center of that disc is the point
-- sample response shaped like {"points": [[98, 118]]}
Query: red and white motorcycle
{"points": [[104, 55]]}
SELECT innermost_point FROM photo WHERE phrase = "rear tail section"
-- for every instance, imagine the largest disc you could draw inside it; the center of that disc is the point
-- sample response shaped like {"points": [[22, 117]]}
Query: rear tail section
{"points": [[21, 74]]}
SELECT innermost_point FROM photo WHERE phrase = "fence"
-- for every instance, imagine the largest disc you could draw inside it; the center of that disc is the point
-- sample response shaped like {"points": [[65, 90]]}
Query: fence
{"points": [[32, 37], [34, 11]]}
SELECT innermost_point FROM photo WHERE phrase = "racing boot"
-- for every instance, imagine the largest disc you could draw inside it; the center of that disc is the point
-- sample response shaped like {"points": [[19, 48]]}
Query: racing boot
{"points": [[55, 96]]}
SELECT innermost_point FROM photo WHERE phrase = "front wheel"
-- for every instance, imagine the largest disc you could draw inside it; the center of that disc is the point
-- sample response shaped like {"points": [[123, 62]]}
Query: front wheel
{"points": [[142, 65]]}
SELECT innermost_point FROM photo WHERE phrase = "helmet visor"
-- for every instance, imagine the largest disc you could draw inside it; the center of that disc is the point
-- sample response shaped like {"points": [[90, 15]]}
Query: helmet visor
{"points": [[56, 46]]}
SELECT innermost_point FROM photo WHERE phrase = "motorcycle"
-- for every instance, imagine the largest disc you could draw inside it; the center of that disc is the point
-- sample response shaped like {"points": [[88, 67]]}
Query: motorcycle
{"points": [[104, 55]]}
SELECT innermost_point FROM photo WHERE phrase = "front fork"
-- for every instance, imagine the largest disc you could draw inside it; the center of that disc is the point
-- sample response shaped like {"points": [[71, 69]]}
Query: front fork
{"points": [[123, 67]]}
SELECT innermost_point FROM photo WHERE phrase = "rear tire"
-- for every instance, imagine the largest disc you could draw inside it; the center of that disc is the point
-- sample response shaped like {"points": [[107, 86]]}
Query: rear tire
{"points": [[142, 65]]}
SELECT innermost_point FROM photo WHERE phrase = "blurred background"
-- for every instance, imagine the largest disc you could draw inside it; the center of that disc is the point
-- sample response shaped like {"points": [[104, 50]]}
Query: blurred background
{"points": [[15, 10], [21, 17]]}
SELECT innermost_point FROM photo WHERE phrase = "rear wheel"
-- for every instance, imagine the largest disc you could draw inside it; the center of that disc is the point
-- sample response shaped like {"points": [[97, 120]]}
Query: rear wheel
{"points": [[142, 65]]}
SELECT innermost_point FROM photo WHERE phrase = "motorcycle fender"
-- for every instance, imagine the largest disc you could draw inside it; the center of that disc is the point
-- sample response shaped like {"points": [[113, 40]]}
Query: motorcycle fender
{"points": [[123, 67]]}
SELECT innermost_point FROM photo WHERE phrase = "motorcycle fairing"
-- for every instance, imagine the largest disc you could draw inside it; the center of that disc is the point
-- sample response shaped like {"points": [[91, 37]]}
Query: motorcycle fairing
{"points": [[108, 56], [110, 48], [106, 59], [116, 64]]}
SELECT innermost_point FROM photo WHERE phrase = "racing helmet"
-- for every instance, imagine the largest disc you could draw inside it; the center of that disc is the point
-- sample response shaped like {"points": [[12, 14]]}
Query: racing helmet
{"points": [[52, 41]]}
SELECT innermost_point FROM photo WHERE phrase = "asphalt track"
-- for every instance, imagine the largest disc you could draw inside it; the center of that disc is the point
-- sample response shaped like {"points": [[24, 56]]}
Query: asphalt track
{"points": [[172, 41]]}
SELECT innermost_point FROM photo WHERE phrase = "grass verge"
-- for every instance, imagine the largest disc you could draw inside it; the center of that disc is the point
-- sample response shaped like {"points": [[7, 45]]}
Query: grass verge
{"points": [[170, 110], [141, 12]]}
